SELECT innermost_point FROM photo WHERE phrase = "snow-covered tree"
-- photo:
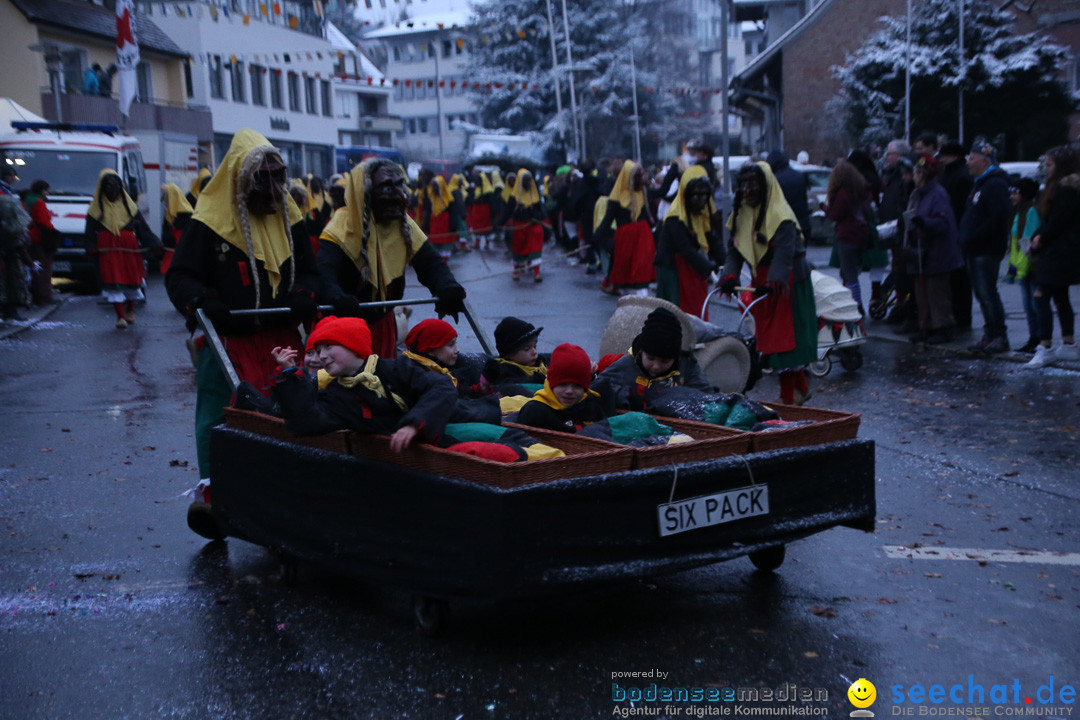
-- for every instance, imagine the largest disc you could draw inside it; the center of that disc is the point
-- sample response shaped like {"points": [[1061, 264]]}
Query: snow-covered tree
{"points": [[510, 57], [1011, 85]]}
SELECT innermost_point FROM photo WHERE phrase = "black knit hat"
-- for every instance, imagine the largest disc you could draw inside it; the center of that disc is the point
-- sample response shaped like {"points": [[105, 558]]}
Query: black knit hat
{"points": [[952, 149], [512, 333], [661, 335]]}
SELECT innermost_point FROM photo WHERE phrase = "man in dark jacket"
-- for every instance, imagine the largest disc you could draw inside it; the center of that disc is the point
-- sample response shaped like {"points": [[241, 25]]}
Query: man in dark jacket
{"points": [[984, 239], [956, 180], [793, 184]]}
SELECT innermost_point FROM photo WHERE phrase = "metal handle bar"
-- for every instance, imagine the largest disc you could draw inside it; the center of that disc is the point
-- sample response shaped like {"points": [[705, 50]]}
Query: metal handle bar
{"points": [[738, 289], [226, 365]]}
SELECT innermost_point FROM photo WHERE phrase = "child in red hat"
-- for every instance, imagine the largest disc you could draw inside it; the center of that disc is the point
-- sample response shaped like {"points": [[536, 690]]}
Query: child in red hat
{"points": [[367, 393], [432, 345], [565, 403]]}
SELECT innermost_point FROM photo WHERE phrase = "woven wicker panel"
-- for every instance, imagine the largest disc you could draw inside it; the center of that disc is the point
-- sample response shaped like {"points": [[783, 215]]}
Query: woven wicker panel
{"points": [[274, 427], [710, 441], [584, 457], [828, 426]]}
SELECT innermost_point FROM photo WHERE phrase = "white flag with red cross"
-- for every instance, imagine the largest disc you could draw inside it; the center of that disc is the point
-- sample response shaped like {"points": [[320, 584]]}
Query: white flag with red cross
{"points": [[127, 54]]}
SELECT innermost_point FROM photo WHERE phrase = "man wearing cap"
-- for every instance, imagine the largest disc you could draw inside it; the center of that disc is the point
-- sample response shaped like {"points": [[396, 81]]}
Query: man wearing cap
{"points": [[956, 180], [984, 239]]}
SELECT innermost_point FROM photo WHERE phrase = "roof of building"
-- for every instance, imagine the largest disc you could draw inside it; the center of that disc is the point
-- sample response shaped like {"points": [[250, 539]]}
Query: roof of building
{"points": [[422, 24], [340, 41], [759, 63], [84, 18]]}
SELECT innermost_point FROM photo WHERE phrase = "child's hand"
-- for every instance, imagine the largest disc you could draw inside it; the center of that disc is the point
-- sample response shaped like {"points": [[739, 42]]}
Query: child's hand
{"points": [[402, 437], [285, 357]]}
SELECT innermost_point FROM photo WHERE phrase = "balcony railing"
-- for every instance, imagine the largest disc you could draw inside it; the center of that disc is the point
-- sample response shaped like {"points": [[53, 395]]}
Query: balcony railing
{"points": [[381, 123], [158, 115]]}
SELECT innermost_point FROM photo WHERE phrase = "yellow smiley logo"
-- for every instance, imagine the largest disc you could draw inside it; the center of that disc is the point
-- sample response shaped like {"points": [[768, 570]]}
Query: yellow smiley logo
{"points": [[862, 693]]}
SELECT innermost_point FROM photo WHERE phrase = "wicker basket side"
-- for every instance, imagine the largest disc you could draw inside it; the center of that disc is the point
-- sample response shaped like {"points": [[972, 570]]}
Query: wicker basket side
{"points": [[828, 426], [259, 424], [709, 441]]}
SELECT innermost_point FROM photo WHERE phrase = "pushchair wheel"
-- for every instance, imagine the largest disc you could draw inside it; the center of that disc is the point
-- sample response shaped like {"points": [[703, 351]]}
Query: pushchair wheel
{"points": [[821, 368], [851, 360], [879, 309]]}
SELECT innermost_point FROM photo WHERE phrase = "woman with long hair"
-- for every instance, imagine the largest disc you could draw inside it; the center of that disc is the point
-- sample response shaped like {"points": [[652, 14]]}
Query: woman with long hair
{"points": [[1056, 248], [845, 199]]}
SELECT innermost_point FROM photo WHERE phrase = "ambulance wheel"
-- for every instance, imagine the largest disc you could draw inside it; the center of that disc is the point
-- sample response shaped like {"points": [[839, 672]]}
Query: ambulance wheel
{"points": [[768, 559], [430, 614], [851, 360], [821, 368]]}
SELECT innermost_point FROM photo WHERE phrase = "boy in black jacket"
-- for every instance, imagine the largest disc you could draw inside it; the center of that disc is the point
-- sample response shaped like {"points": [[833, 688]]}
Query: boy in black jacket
{"points": [[566, 403]]}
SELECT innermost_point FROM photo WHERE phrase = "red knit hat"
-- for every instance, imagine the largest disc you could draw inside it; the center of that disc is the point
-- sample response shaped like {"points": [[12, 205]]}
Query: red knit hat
{"points": [[349, 332], [569, 363], [429, 335]]}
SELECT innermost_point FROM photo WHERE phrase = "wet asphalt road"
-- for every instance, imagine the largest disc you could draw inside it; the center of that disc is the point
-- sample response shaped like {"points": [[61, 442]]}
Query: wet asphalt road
{"points": [[110, 608]]}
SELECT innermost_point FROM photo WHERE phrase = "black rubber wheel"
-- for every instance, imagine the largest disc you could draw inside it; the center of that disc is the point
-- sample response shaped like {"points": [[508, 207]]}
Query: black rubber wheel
{"points": [[851, 360], [430, 614], [768, 559], [878, 310], [820, 368]]}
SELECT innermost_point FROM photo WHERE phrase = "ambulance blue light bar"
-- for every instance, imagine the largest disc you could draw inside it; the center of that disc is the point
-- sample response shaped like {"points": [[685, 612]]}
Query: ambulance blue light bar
{"points": [[66, 127]]}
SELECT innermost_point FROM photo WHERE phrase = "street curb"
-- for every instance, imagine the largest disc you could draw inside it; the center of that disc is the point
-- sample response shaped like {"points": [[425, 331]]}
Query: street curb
{"points": [[37, 314], [1014, 357]]}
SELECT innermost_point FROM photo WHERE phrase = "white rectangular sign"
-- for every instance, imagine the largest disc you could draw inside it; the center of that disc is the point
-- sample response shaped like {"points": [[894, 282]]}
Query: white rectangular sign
{"points": [[715, 509]]}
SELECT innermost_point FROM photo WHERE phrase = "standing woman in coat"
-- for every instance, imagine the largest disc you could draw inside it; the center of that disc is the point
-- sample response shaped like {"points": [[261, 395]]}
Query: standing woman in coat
{"points": [[631, 246], [688, 251], [1056, 249], [526, 216], [175, 219], [931, 253], [116, 227], [44, 239], [765, 236], [846, 195]]}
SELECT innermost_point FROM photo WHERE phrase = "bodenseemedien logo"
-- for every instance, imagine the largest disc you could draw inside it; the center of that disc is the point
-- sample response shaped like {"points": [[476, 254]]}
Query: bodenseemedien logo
{"points": [[862, 695]]}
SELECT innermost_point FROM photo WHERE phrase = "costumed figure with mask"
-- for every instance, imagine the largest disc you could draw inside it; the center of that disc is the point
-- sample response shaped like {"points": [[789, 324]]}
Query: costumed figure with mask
{"points": [[630, 245], [245, 247], [117, 229], [525, 214], [765, 235], [177, 213], [364, 251]]}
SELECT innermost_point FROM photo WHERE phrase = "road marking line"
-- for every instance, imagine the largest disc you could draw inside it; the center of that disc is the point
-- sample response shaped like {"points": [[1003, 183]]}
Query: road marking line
{"points": [[983, 555]]}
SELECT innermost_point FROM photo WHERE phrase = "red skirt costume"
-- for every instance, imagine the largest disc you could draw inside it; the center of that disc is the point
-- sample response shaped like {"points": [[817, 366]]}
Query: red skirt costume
{"points": [[169, 249], [527, 241], [439, 230], [478, 218], [693, 289], [119, 260], [635, 250]]}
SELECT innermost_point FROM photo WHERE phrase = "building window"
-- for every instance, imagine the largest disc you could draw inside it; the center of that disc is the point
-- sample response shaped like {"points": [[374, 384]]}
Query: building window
{"points": [[145, 79], [422, 124], [189, 81], [411, 126], [294, 92], [217, 86], [236, 76], [369, 105], [430, 49], [399, 92], [309, 96], [344, 106], [258, 90], [397, 53], [327, 107], [447, 48], [275, 90], [73, 64], [410, 91]]}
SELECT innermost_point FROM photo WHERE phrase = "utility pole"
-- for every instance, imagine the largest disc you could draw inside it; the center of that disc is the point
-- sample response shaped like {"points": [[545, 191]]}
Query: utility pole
{"points": [[907, 80], [637, 117], [725, 114], [437, 46], [555, 70], [579, 142], [962, 71]]}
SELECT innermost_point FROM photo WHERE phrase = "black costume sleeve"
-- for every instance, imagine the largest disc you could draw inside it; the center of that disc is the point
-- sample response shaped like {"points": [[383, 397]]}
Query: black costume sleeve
{"points": [[604, 232], [507, 212], [300, 406], [329, 261], [784, 244], [681, 241], [143, 233], [431, 396], [540, 415], [433, 272]]}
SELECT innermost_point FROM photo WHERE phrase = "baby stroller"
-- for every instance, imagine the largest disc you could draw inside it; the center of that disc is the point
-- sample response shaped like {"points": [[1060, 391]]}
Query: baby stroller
{"points": [[840, 329]]}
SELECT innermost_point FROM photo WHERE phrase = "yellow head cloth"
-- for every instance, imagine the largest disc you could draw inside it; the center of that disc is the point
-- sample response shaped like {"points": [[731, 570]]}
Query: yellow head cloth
{"points": [[175, 203], [497, 183], [623, 192], [457, 182], [195, 188], [219, 208], [297, 182], [508, 187], [336, 228], [525, 198], [381, 253], [486, 188], [113, 215], [776, 211], [440, 198], [316, 200], [698, 224]]}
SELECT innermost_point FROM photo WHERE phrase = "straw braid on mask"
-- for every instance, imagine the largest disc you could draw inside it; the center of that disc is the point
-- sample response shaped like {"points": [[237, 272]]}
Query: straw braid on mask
{"points": [[244, 182]]}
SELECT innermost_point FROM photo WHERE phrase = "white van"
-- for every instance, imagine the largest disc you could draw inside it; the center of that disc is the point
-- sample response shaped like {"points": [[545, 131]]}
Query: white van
{"points": [[70, 157]]}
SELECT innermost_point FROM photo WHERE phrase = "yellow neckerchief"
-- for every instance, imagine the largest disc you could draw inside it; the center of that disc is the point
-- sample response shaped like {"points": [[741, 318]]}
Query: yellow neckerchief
{"points": [[776, 211], [599, 211], [385, 256], [113, 215], [368, 379], [297, 182], [335, 229], [624, 194], [197, 182], [547, 396], [323, 378], [644, 382], [175, 203], [270, 242], [528, 369], [699, 224], [316, 201], [509, 188], [430, 364], [440, 199], [486, 188], [525, 198]]}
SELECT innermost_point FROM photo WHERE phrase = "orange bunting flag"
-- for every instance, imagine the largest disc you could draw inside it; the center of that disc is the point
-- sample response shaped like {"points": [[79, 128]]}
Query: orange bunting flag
{"points": [[247, 19], [277, 8], [521, 34], [460, 42], [262, 9]]}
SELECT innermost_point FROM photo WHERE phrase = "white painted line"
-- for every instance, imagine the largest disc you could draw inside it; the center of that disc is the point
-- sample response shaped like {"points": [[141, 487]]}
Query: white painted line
{"points": [[981, 555]]}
